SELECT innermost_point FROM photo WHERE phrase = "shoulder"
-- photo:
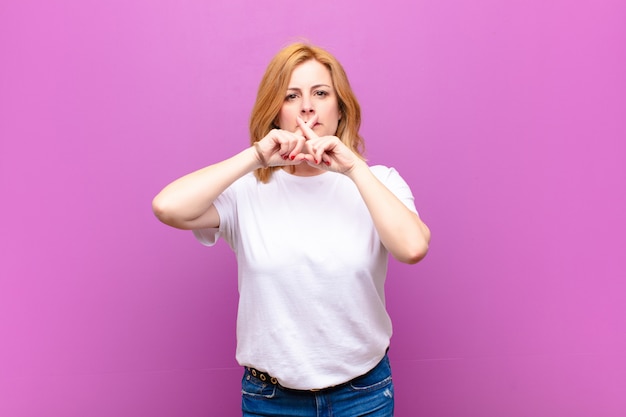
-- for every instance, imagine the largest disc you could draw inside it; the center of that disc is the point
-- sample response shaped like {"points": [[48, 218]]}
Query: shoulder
{"points": [[248, 179], [390, 177], [242, 187], [246, 182], [385, 173]]}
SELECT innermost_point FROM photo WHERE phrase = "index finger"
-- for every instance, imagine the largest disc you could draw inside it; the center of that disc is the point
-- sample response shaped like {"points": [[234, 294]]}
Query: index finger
{"points": [[310, 123], [305, 127]]}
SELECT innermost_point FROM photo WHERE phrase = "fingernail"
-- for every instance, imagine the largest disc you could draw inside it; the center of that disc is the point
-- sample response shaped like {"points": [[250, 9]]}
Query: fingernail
{"points": [[327, 163], [315, 161], [293, 157]]}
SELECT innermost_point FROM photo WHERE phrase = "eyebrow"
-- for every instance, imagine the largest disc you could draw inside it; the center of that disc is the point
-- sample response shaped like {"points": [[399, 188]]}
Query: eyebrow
{"points": [[312, 88]]}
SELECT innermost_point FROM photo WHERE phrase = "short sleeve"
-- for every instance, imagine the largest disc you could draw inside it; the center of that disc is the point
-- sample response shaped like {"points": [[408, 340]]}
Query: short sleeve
{"points": [[396, 184], [225, 204], [207, 236]]}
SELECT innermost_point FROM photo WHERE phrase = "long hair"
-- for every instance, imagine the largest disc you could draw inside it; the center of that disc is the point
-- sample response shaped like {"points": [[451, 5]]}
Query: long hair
{"points": [[273, 88]]}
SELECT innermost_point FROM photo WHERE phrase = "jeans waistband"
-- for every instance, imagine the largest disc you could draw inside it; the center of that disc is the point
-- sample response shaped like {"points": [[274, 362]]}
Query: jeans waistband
{"points": [[265, 377]]}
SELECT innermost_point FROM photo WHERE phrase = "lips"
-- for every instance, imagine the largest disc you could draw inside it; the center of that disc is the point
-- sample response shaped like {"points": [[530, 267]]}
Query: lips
{"points": [[316, 124]]}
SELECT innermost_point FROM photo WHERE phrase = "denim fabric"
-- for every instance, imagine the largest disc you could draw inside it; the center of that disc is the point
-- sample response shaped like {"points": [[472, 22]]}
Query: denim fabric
{"points": [[369, 395]]}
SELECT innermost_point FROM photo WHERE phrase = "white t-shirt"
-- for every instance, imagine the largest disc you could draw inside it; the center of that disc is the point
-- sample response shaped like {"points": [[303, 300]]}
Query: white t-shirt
{"points": [[311, 272]]}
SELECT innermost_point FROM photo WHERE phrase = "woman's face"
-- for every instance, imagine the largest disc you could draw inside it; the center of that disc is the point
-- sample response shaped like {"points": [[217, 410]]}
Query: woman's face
{"points": [[311, 92]]}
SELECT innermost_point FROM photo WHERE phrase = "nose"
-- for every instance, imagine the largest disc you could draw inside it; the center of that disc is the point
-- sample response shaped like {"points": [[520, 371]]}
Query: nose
{"points": [[307, 107]]}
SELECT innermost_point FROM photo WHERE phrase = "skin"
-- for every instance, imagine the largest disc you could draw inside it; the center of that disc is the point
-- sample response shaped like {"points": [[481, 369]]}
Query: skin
{"points": [[310, 98], [305, 140]]}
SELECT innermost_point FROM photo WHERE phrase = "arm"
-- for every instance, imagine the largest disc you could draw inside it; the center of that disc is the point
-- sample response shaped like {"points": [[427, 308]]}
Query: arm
{"points": [[187, 203], [402, 232]]}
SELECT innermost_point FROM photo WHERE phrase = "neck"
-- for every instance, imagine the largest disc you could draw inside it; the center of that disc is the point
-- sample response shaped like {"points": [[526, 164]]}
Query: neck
{"points": [[304, 170]]}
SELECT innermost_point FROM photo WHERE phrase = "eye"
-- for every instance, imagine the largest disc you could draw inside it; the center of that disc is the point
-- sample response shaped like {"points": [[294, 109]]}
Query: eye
{"points": [[291, 97], [321, 93]]}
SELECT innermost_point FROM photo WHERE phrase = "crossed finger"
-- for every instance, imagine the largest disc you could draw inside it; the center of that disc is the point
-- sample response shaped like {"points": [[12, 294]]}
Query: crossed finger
{"points": [[297, 149], [318, 155], [306, 127]]}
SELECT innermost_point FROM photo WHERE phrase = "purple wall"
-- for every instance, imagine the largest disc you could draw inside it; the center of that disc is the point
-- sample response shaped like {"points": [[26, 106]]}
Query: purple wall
{"points": [[507, 118]]}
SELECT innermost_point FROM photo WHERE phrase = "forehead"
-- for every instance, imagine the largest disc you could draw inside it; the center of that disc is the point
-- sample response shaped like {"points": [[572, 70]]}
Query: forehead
{"points": [[310, 72]]}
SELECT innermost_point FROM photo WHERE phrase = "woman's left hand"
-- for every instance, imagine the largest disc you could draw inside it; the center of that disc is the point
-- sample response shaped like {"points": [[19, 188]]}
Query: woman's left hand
{"points": [[327, 152], [401, 231]]}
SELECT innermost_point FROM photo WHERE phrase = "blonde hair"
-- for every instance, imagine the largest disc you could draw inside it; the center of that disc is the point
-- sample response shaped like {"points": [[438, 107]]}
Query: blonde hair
{"points": [[273, 88]]}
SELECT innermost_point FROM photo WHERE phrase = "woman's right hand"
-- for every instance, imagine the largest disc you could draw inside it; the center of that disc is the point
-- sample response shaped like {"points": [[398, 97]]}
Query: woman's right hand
{"points": [[281, 147]]}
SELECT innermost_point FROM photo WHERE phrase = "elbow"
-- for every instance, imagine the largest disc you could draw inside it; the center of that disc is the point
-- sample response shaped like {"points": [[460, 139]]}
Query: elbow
{"points": [[171, 213], [159, 209], [416, 249], [414, 254], [162, 211]]}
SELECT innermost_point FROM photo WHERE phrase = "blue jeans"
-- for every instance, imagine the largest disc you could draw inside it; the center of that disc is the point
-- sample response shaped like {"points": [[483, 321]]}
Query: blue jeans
{"points": [[369, 395]]}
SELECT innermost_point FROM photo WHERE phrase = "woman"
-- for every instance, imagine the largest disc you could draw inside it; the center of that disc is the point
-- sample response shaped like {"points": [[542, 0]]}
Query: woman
{"points": [[311, 226]]}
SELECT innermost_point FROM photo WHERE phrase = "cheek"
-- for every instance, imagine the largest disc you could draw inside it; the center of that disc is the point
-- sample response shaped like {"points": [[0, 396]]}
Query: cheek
{"points": [[280, 120], [334, 111], [285, 118], [337, 114]]}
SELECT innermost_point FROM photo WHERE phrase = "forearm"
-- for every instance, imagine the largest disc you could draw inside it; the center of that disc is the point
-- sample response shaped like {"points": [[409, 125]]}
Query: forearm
{"points": [[401, 231], [186, 200]]}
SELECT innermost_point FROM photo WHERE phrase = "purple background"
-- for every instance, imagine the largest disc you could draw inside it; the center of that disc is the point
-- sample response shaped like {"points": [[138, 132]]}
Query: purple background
{"points": [[507, 118]]}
